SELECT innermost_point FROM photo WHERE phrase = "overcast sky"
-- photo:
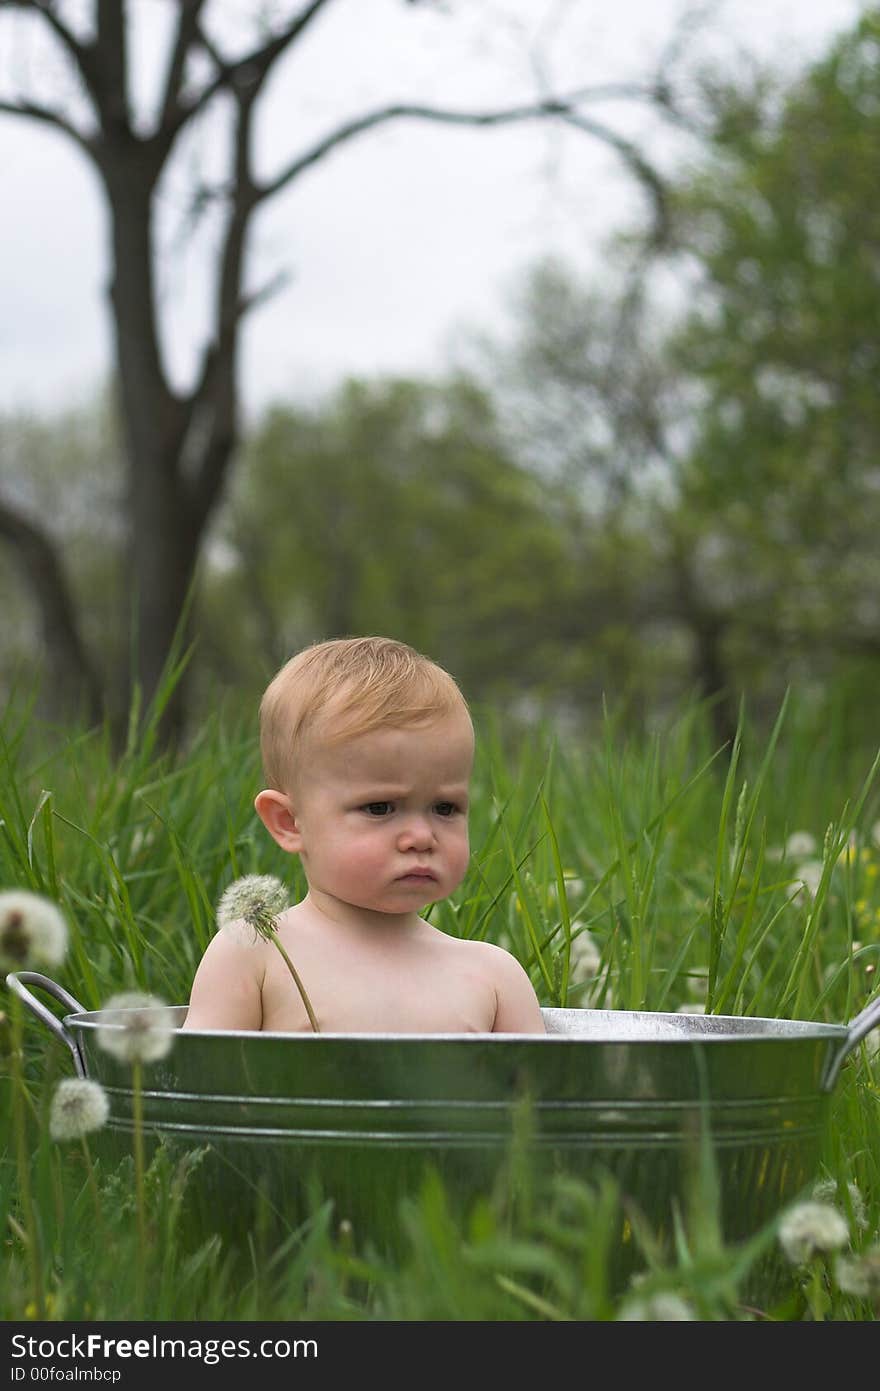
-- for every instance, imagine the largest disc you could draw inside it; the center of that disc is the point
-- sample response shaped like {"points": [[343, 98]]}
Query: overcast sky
{"points": [[396, 243]]}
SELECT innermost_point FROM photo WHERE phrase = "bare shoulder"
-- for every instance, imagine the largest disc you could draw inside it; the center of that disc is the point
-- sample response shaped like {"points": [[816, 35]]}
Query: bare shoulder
{"points": [[518, 1009], [490, 952], [227, 987], [491, 956]]}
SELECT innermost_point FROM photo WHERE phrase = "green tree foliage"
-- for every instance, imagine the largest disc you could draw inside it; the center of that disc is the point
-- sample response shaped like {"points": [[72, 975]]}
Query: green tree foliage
{"points": [[591, 400], [723, 438], [782, 479], [141, 112], [391, 507], [66, 474], [665, 492]]}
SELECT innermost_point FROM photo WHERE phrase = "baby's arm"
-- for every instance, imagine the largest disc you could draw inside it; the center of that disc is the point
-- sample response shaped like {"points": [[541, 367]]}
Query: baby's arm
{"points": [[517, 1010], [227, 989]]}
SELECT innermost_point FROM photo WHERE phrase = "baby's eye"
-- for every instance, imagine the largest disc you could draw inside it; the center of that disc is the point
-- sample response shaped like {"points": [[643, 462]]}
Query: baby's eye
{"points": [[378, 808], [446, 808]]}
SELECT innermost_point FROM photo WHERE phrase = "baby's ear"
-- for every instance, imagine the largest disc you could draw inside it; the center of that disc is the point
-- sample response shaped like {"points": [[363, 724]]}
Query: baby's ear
{"points": [[276, 813]]}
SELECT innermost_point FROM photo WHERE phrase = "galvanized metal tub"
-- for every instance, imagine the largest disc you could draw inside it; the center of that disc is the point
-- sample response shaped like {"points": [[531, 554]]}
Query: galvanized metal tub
{"points": [[363, 1116]]}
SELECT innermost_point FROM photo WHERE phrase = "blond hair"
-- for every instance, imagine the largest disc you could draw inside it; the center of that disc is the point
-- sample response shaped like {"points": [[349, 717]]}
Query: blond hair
{"points": [[345, 687]]}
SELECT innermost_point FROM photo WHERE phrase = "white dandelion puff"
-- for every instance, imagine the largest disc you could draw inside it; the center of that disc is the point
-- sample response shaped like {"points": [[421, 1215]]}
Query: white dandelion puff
{"points": [[809, 876], [136, 1027], [810, 1229], [248, 911], [800, 845], [142, 840], [657, 1308], [250, 907], [859, 1275], [33, 932], [79, 1106], [573, 884], [585, 958], [697, 982], [825, 1191]]}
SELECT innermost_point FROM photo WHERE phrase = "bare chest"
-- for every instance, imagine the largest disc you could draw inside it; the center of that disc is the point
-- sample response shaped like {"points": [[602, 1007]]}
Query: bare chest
{"points": [[381, 992]]}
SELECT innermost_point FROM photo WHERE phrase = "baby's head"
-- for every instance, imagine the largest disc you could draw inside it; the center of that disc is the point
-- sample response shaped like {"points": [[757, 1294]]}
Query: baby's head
{"points": [[367, 748], [335, 691]]}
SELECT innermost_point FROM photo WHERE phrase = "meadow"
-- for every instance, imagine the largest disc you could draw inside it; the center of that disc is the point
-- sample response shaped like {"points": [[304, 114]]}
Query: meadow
{"points": [[634, 871]]}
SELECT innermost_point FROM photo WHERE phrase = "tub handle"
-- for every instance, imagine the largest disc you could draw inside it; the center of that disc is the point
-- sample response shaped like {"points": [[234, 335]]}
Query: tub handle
{"points": [[19, 980], [857, 1029]]}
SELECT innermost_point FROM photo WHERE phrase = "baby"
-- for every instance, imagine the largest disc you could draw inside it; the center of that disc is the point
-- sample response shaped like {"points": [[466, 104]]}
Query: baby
{"points": [[367, 749]]}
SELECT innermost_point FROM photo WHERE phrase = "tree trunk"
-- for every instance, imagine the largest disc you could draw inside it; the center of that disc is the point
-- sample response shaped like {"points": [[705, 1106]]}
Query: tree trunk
{"points": [[72, 686], [164, 536], [179, 448], [707, 628]]}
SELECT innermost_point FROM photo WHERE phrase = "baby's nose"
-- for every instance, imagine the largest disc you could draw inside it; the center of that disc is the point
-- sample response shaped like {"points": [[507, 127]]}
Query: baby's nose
{"points": [[417, 833]]}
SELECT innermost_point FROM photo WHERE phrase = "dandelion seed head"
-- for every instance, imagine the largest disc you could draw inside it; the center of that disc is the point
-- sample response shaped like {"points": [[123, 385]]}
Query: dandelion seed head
{"points": [[585, 957], [800, 845], [809, 874], [574, 884], [32, 931], [859, 1275], [661, 1307], [698, 982], [79, 1106], [810, 1229], [142, 840], [825, 1191], [249, 908], [136, 1027]]}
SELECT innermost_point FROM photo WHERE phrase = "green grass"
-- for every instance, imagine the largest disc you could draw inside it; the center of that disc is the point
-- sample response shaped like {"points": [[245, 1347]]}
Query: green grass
{"points": [[667, 851]]}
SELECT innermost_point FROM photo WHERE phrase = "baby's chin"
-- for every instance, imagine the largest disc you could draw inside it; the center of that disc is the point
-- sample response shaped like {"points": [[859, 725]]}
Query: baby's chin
{"points": [[399, 904]]}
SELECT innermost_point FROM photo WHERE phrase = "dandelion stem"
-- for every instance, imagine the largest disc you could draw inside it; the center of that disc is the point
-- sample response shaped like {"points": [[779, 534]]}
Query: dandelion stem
{"points": [[258, 899], [297, 981], [817, 1296], [138, 1117], [92, 1181], [19, 1125]]}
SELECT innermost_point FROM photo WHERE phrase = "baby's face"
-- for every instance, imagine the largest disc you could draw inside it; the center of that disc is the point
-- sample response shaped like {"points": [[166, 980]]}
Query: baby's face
{"points": [[383, 817]]}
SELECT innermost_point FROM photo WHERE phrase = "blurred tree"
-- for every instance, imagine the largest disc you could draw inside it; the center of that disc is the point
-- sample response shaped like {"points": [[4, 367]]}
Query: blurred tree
{"points": [[179, 444], [591, 399], [780, 486], [390, 508], [724, 438], [66, 472]]}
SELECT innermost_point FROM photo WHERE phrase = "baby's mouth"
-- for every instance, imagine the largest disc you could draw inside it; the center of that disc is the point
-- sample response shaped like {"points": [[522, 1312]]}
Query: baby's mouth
{"points": [[427, 876]]}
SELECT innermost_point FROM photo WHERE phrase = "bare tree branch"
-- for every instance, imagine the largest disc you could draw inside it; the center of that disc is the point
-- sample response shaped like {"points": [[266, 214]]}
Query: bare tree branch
{"points": [[559, 108], [46, 10], [187, 32], [46, 116], [643, 170], [265, 292], [110, 79], [251, 67], [179, 447], [215, 405], [83, 55]]}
